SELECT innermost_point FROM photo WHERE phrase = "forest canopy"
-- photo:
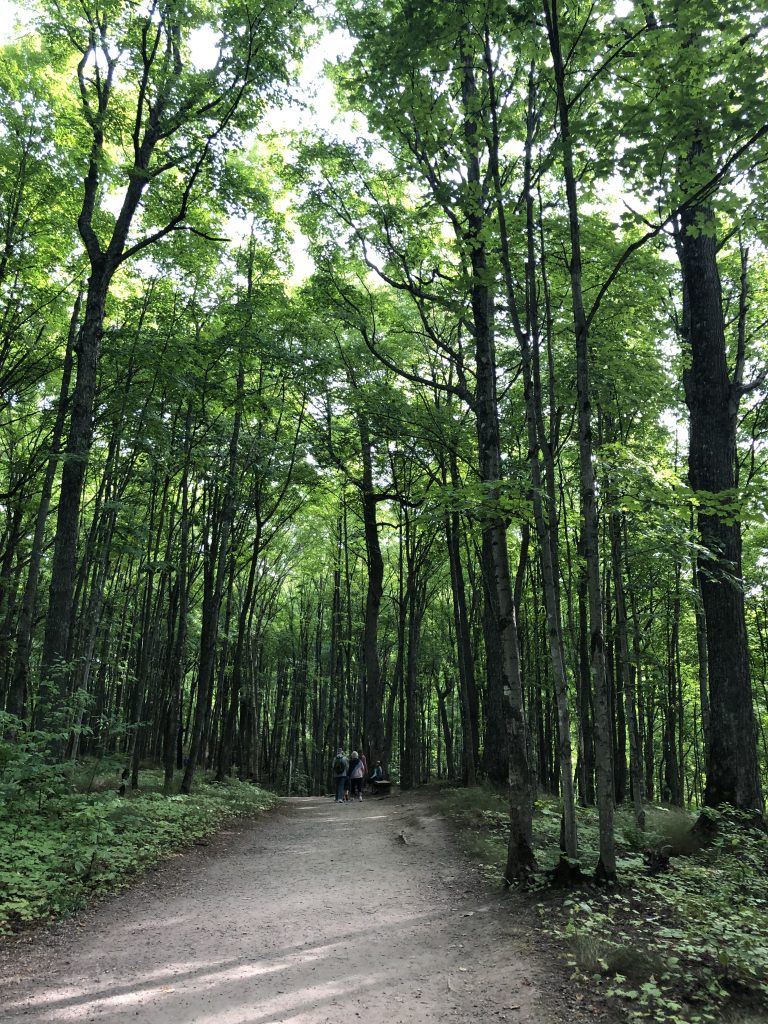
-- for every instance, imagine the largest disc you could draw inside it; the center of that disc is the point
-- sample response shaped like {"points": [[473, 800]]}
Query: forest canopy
{"points": [[477, 487]]}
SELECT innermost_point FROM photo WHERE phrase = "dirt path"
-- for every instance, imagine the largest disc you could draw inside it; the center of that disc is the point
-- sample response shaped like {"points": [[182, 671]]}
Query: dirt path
{"points": [[317, 913]]}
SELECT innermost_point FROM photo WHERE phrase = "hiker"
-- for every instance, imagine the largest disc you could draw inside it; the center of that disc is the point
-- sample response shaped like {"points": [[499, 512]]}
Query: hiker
{"points": [[356, 774], [377, 774], [340, 765]]}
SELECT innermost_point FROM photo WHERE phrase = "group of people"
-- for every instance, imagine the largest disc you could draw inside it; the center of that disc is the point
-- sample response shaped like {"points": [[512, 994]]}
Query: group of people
{"points": [[349, 774]]}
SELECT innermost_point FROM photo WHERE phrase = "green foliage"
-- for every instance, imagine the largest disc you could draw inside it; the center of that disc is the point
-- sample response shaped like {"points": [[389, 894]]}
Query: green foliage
{"points": [[484, 822], [59, 846], [380, 338], [680, 945], [697, 932]]}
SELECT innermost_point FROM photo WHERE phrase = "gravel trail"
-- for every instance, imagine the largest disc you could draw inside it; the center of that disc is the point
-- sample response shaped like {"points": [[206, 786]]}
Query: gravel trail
{"points": [[317, 912]]}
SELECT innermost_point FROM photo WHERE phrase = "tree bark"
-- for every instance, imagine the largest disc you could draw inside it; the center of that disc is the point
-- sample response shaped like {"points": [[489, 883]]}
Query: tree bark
{"points": [[58, 621], [520, 856], [712, 399], [606, 866], [374, 692], [20, 679], [215, 572], [463, 643], [626, 670]]}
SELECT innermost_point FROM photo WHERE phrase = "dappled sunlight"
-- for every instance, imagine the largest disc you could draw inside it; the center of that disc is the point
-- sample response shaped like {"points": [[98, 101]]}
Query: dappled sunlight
{"points": [[293, 1007], [301, 919], [358, 817], [291, 983], [281, 996], [217, 983]]}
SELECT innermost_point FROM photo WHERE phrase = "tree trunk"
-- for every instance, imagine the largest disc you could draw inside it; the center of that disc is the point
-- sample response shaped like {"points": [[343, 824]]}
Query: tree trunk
{"points": [[53, 669], [226, 746], [214, 587], [20, 679], [495, 736], [374, 696], [463, 645], [520, 857], [178, 647], [606, 866], [626, 671], [442, 698], [732, 764]]}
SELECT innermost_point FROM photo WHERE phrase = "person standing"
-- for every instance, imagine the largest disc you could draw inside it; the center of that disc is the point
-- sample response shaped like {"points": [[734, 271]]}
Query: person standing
{"points": [[356, 774], [340, 766]]}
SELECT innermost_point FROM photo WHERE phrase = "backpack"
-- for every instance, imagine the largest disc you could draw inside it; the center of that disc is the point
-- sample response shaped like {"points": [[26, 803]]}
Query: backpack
{"points": [[339, 765]]}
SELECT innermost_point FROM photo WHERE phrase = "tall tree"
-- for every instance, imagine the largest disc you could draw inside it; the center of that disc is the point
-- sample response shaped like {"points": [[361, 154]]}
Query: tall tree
{"points": [[138, 88], [606, 866]]}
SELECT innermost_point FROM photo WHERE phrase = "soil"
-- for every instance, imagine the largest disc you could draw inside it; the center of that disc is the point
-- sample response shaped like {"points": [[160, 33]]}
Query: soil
{"points": [[317, 912]]}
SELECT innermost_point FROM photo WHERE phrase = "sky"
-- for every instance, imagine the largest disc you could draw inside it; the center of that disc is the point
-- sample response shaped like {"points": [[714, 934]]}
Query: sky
{"points": [[10, 14], [316, 107]]}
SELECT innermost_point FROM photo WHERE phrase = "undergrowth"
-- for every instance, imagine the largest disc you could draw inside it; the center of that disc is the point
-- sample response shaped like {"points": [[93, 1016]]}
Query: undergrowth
{"points": [[684, 941], [66, 835]]}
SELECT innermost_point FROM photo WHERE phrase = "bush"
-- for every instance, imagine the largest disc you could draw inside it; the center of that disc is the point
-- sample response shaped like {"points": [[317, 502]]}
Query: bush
{"points": [[60, 846], [688, 945]]}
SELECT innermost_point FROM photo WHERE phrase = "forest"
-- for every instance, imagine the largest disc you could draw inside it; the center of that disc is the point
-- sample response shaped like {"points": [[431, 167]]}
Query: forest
{"points": [[388, 375]]}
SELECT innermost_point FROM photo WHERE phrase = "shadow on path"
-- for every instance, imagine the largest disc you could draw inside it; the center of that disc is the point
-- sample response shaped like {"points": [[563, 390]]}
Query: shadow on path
{"points": [[314, 914]]}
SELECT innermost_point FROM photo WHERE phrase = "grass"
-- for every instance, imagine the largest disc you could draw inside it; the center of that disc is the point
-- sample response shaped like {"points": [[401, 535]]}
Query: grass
{"points": [[684, 945]]}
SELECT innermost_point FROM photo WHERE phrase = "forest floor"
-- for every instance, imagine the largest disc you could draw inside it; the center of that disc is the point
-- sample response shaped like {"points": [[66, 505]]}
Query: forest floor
{"points": [[317, 912]]}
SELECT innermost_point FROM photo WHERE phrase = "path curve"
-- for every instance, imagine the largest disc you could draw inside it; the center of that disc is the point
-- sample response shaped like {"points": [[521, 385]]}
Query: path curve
{"points": [[315, 913]]}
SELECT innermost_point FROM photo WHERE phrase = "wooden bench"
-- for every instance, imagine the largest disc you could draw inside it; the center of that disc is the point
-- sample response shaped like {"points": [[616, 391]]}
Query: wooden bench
{"points": [[380, 787]]}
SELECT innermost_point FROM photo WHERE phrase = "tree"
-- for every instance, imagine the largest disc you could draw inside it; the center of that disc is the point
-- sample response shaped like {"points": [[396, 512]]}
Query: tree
{"points": [[694, 158], [138, 88]]}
